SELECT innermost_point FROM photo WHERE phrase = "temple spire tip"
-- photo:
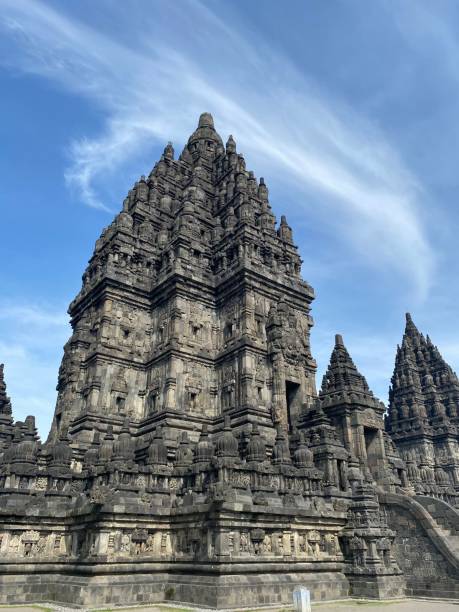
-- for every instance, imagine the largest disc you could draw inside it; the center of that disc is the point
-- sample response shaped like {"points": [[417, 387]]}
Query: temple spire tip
{"points": [[206, 120]]}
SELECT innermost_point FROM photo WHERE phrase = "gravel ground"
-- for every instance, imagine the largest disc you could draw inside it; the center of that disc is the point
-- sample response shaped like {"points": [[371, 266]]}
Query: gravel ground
{"points": [[403, 606]]}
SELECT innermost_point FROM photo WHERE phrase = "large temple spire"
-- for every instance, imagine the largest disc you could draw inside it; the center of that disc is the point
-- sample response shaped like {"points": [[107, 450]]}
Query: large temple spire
{"points": [[177, 292]]}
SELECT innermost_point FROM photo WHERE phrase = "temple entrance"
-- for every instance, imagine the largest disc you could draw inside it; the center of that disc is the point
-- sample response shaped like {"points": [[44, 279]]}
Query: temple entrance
{"points": [[292, 394], [373, 448]]}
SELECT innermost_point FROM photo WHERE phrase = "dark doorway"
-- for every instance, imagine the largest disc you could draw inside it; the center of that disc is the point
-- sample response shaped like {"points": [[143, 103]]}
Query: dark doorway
{"points": [[373, 449], [292, 395], [370, 439], [342, 475]]}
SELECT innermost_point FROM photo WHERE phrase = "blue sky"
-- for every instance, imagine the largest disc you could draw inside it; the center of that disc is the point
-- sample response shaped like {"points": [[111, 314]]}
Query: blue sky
{"points": [[348, 109]]}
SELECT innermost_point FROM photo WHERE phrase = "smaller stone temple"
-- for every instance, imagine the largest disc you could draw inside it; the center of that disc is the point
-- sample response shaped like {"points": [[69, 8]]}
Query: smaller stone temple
{"points": [[423, 412], [356, 415], [191, 458]]}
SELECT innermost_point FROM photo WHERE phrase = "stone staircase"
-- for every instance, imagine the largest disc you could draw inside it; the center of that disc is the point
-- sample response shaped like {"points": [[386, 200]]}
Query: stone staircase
{"points": [[427, 544], [445, 516]]}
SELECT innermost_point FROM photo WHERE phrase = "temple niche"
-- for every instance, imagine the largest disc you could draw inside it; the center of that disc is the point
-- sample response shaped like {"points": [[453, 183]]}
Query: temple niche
{"points": [[190, 449]]}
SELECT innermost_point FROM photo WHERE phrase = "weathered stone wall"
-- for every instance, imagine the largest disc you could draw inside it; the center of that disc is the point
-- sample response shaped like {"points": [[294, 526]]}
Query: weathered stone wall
{"points": [[256, 556], [428, 571], [131, 587]]}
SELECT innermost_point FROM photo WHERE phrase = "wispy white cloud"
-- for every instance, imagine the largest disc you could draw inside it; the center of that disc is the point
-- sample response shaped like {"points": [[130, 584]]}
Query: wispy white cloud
{"points": [[151, 87], [32, 315], [429, 27]]}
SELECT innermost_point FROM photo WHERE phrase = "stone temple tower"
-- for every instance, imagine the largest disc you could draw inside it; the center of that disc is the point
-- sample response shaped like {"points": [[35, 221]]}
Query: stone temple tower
{"points": [[423, 412], [192, 305], [190, 458]]}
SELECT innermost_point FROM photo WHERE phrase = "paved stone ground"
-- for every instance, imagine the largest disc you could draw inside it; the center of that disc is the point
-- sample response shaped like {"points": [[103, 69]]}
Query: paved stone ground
{"points": [[403, 606], [339, 606]]}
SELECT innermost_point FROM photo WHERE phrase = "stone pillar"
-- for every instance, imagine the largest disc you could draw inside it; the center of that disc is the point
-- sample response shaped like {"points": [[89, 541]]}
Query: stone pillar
{"points": [[372, 558], [331, 474], [404, 480], [222, 545], [102, 543], [455, 475], [170, 401], [279, 402], [247, 312], [347, 433], [176, 325], [382, 450], [287, 545], [246, 379], [360, 447]]}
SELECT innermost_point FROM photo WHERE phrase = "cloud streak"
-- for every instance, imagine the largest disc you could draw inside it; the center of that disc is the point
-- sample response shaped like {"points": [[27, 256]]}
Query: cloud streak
{"points": [[188, 61]]}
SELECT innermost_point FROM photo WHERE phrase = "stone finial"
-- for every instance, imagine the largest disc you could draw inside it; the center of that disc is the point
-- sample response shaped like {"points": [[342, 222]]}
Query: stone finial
{"points": [[5, 402], [106, 447], [157, 452], [411, 329], [184, 455], [256, 448], [281, 450], [285, 231], [206, 120], [303, 456], [123, 447], [230, 144], [263, 190], [92, 454], [168, 151], [227, 445], [204, 448], [62, 453], [204, 142], [339, 340], [25, 451], [30, 423]]}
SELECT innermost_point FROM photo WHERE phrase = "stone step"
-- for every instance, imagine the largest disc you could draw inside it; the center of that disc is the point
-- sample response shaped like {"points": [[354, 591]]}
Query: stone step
{"points": [[454, 541], [445, 532], [451, 538]]}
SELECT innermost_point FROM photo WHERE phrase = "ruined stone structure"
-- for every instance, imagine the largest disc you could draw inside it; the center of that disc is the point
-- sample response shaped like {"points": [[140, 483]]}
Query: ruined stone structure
{"points": [[190, 456]]}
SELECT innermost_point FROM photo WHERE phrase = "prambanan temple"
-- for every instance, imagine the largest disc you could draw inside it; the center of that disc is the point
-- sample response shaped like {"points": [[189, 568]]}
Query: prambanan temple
{"points": [[190, 457]]}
